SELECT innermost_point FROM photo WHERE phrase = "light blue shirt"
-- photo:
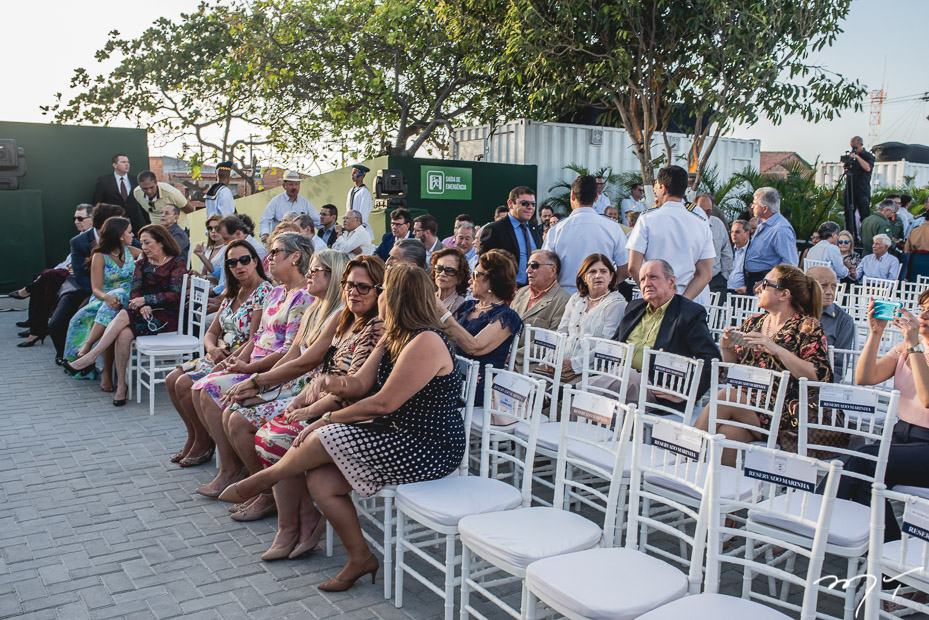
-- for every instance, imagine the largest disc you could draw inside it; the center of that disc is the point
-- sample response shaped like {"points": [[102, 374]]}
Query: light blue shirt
{"points": [[824, 250], [325, 233], [886, 267], [774, 243], [737, 276], [523, 251]]}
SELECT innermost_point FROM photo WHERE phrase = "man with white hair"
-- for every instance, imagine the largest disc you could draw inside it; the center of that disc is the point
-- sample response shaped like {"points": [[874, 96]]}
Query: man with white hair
{"points": [[773, 243], [289, 200], [355, 238], [880, 264], [879, 222], [837, 323]]}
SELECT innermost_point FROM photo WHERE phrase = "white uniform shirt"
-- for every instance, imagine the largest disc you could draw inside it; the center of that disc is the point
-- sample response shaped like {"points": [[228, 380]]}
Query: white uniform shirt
{"points": [[279, 206], [221, 203], [627, 205], [360, 199], [679, 236], [318, 244], [601, 203], [584, 233], [358, 238]]}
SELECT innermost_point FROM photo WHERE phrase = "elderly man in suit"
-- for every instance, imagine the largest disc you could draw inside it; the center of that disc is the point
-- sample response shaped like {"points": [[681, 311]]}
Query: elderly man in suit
{"points": [[542, 303], [117, 188], [513, 232]]}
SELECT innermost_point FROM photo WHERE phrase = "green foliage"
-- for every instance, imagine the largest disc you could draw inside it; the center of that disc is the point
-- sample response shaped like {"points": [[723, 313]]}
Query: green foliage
{"points": [[617, 186]]}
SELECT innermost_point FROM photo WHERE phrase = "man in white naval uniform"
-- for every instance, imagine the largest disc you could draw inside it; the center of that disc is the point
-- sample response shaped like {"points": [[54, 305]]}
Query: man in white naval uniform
{"points": [[359, 197], [219, 199]]}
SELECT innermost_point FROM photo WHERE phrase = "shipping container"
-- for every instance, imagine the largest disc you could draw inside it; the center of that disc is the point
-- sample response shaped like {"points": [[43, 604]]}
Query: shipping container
{"points": [[552, 146], [883, 174]]}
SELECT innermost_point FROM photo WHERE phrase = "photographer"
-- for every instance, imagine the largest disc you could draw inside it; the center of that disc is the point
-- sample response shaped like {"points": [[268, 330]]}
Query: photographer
{"points": [[858, 163]]}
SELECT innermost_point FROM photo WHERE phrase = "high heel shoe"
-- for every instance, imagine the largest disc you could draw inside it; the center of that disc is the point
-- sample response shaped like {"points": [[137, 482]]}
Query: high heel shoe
{"points": [[119, 402], [31, 343], [193, 461], [22, 324], [25, 333], [340, 585], [78, 371], [16, 295], [280, 553], [310, 543]]}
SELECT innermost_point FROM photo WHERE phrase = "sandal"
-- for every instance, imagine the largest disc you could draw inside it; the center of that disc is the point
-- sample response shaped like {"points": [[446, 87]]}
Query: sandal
{"points": [[198, 460]]}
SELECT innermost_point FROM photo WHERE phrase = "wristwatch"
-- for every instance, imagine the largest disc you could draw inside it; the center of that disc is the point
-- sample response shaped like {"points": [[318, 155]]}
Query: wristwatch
{"points": [[254, 380], [919, 348], [327, 417]]}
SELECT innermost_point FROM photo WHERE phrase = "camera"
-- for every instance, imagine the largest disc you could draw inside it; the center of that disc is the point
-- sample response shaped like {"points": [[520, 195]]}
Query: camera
{"points": [[847, 159], [390, 189]]}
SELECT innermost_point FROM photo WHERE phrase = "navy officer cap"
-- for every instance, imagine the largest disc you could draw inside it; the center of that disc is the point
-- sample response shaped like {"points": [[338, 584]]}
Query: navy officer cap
{"points": [[364, 169]]}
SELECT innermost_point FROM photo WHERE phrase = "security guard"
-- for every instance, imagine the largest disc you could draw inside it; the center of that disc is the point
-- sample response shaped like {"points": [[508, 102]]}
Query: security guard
{"points": [[219, 199]]}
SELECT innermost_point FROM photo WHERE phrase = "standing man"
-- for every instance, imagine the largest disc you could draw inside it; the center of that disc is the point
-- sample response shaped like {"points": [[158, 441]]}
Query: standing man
{"points": [[633, 203], [400, 220], [117, 189], [827, 249], [425, 228], [464, 241], [722, 263], [513, 232], [878, 223], [857, 184], [156, 195], [169, 215], [676, 233], [602, 201], [354, 238], [359, 197], [584, 233], [773, 243], [328, 224], [741, 232], [219, 199], [545, 215], [289, 200]]}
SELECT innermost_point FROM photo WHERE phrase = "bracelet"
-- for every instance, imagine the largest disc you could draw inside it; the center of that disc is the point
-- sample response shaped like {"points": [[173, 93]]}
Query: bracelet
{"points": [[445, 317]]}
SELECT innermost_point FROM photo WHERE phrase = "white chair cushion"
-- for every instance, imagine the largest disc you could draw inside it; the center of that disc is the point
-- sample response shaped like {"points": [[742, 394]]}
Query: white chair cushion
{"points": [[447, 500], [917, 491], [520, 537], [604, 459], [477, 422], [615, 584], [549, 434], [727, 483], [913, 559], [850, 525], [164, 343], [713, 607]]}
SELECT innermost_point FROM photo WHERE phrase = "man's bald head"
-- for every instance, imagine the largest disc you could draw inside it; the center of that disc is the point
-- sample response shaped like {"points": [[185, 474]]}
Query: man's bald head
{"points": [[827, 281]]}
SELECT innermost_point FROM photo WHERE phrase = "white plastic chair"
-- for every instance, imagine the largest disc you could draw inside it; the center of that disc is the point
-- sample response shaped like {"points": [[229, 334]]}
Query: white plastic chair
{"points": [[812, 262], [714, 298], [756, 390], [428, 513], [718, 318], [606, 360], [548, 348], [878, 287], [669, 375], [171, 349], [508, 541], [743, 306]]}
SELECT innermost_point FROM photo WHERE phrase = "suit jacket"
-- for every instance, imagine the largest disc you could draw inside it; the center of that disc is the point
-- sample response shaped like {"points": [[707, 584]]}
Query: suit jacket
{"points": [[545, 313], [683, 331], [332, 237], [501, 235], [107, 191], [387, 244], [81, 247]]}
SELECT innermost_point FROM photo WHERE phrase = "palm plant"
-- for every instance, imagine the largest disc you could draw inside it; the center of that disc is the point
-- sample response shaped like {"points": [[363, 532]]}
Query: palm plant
{"points": [[617, 186]]}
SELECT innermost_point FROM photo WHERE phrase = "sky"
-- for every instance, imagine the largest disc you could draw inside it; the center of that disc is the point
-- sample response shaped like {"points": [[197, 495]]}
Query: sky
{"points": [[883, 43]]}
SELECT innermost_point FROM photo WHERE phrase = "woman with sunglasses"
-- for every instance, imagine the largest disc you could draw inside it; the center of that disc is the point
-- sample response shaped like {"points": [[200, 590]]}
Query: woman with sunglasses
{"points": [[153, 305], [280, 320], [234, 324], [788, 336], [451, 273], [210, 253], [851, 258], [343, 346], [484, 327], [282, 227]]}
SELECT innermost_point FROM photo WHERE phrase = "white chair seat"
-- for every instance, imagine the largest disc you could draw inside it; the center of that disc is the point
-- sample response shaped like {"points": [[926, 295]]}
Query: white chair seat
{"points": [[849, 527], [617, 583], [913, 559], [166, 342], [917, 491], [477, 423], [727, 484], [520, 537], [713, 607], [447, 500], [549, 433], [603, 459]]}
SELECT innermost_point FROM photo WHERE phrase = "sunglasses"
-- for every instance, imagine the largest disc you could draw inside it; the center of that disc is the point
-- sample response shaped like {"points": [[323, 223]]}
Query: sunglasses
{"points": [[78, 218], [210, 229], [763, 284], [844, 241], [479, 274], [363, 289], [242, 260], [440, 269], [527, 203], [316, 270], [536, 264], [154, 324], [277, 251]]}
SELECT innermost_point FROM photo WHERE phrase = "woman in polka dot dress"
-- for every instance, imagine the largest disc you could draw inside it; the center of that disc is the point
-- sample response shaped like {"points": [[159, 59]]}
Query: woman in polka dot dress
{"points": [[408, 430]]}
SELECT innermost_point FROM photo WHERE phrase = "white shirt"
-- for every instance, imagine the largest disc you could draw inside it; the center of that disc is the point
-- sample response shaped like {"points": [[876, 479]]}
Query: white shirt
{"points": [[627, 205], [350, 241], [722, 264], [279, 206], [677, 235], [824, 250], [435, 248], [360, 199], [584, 233], [221, 203], [601, 322], [601, 203], [318, 244]]}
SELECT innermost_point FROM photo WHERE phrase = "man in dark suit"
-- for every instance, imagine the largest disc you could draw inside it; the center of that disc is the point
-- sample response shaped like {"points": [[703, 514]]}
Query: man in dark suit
{"points": [[400, 224], [116, 189], [513, 233], [664, 320], [328, 229], [76, 289]]}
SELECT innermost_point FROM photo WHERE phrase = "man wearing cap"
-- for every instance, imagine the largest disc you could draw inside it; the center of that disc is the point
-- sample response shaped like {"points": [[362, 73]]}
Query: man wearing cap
{"points": [[219, 199], [154, 195], [359, 197], [289, 200]]}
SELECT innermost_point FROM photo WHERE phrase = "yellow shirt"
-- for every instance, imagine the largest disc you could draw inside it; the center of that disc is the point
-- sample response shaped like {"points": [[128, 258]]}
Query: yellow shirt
{"points": [[644, 334], [167, 195]]}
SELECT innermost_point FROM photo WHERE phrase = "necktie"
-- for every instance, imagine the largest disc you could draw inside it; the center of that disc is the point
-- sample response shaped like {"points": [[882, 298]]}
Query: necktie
{"points": [[526, 237], [122, 188]]}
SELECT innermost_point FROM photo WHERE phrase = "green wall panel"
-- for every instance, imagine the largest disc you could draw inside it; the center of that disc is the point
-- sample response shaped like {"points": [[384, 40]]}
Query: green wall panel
{"points": [[22, 252]]}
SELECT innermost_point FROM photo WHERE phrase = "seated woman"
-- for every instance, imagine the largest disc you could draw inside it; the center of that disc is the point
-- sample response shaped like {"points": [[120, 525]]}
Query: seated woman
{"points": [[343, 346], [112, 263], [788, 336], [484, 327], [408, 430], [850, 258], [908, 364], [451, 273], [234, 324], [153, 305], [594, 310], [280, 319], [211, 253], [282, 227]]}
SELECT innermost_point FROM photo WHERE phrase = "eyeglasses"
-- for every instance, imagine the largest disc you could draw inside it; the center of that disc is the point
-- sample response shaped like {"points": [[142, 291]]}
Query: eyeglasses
{"points": [[154, 324], [363, 289], [763, 284], [452, 271], [316, 270], [479, 274], [242, 260], [210, 229], [844, 241], [277, 251], [398, 224], [78, 218], [536, 264], [526, 203]]}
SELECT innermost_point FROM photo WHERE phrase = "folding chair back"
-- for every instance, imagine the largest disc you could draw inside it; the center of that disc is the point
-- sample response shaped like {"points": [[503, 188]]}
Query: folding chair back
{"points": [[546, 348], [743, 306], [757, 390], [718, 318], [469, 370], [197, 308], [667, 378], [811, 262], [608, 359], [878, 288]]}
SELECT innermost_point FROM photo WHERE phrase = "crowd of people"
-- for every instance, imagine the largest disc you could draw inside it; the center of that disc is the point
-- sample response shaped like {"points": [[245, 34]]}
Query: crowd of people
{"points": [[329, 362]]}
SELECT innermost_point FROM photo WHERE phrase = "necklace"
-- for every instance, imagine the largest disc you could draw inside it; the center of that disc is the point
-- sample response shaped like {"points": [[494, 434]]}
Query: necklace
{"points": [[770, 328], [164, 259], [594, 300], [482, 306]]}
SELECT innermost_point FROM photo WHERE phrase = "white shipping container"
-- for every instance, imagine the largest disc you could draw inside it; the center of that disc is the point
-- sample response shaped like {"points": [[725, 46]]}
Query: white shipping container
{"points": [[883, 174], [552, 146]]}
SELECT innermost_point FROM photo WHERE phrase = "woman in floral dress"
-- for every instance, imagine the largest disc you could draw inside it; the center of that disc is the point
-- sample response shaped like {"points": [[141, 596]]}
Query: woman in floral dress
{"points": [[236, 321]]}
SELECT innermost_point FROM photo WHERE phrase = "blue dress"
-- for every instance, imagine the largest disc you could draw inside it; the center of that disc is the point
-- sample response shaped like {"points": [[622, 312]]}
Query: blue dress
{"points": [[507, 317]]}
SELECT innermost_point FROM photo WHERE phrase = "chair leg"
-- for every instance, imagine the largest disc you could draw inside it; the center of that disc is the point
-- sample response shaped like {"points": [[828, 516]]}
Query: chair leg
{"points": [[529, 610], [151, 387], [465, 588], [330, 535], [388, 545], [449, 576], [850, 589], [398, 567]]}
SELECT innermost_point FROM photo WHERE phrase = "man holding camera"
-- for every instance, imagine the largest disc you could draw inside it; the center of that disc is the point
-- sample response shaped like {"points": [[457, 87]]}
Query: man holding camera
{"points": [[858, 163]]}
